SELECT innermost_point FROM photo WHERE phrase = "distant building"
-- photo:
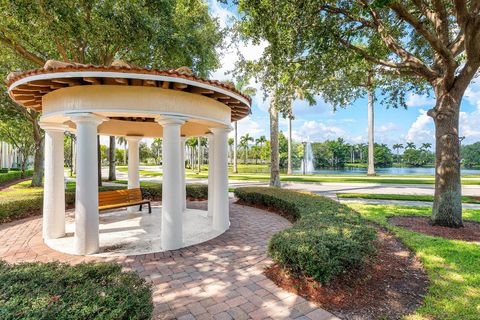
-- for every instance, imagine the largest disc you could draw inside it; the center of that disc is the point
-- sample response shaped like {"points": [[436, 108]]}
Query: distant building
{"points": [[9, 156]]}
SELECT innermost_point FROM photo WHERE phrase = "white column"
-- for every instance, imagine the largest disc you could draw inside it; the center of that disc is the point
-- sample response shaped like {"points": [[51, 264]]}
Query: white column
{"points": [[182, 164], [133, 166], [53, 192], [211, 165], [86, 200], [221, 219], [172, 204]]}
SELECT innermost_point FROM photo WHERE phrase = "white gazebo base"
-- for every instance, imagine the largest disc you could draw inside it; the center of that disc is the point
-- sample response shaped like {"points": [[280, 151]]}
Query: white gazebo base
{"points": [[123, 233]]}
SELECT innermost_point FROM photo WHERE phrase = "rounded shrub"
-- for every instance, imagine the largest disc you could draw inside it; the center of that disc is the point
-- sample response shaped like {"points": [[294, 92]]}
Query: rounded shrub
{"points": [[327, 238]]}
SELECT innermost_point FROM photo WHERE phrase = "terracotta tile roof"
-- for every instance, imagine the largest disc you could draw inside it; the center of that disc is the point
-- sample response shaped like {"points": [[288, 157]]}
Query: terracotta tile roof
{"points": [[239, 108]]}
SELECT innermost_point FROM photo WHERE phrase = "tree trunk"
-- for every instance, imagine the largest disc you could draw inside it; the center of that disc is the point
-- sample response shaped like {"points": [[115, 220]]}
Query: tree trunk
{"points": [[125, 153], [447, 205], [99, 162], [274, 152], [235, 145], [289, 160], [199, 154], [371, 128], [111, 160], [37, 178]]}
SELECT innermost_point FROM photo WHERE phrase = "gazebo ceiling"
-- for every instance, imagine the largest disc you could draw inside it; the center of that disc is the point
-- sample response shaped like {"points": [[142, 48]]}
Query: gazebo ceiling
{"points": [[28, 88]]}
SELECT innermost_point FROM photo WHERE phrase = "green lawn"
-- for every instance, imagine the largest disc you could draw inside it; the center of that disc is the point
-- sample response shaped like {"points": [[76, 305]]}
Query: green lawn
{"points": [[406, 197], [404, 179], [452, 265]]}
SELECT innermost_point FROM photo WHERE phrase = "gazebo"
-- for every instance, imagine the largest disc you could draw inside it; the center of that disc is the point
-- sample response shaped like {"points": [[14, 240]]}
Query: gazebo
{"points": [[123, 100]]}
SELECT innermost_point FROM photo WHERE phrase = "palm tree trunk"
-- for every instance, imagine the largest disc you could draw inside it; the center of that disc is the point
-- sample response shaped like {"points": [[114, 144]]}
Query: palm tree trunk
{"points": [[99, 157], [111, 160], [199, 148], [289, 160], [235, 146], [371, 143], [274, 152]]}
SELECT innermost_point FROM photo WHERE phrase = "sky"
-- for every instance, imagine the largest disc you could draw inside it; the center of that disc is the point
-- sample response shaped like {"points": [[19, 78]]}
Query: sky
{"points": [[319, 123]]}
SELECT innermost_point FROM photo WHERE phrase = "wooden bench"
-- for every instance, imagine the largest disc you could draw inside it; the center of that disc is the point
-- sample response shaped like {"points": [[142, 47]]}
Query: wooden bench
{"points": [[122, 198]]}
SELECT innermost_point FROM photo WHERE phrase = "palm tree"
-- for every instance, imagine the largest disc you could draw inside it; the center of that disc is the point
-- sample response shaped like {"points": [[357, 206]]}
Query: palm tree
{"points": [[260, 141], [122, 140], [111, 160], [371, 134], [426, 146], [230, 149], [242, 87], [235, 147], [289, 140], [410, 145], [397, 147], [244, 140]]}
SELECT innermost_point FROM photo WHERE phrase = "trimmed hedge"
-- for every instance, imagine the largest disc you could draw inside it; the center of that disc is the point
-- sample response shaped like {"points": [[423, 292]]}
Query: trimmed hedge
{"points": [[14, 175], [327, 239], [153, 190], [20, 201], [84, 291]]}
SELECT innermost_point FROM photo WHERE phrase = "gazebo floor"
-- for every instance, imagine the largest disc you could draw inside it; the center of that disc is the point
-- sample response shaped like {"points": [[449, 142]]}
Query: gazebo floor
{"points": [[123, 233]]}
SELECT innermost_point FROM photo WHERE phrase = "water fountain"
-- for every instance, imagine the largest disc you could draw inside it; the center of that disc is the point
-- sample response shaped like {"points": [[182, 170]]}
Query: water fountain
{"points": [[307, 163]]}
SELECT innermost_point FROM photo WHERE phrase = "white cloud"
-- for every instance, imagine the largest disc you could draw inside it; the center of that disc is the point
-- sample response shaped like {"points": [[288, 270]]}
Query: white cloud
{"points": [[317, 131], [421, 130], [248, 125], [415, 100]]}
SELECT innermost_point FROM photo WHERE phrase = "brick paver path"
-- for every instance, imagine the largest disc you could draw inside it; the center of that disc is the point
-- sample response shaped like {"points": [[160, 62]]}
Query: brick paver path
{"points": [[219, 279]]}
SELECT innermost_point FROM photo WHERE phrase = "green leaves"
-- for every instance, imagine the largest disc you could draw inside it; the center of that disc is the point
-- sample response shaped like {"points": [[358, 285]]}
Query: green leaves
{"points": [[328, 238], [61, 291]]}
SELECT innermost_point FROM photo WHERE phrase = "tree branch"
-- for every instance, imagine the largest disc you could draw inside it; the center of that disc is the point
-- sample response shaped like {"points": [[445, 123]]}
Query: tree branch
{"points": [[434, 41], [408, 58], [22, 51]]}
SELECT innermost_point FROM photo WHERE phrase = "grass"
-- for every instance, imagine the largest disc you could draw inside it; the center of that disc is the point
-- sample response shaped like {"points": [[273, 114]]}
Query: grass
{"points": [[404, 179], [405, 197], [20, 200], [452, 265], [61, 291]]}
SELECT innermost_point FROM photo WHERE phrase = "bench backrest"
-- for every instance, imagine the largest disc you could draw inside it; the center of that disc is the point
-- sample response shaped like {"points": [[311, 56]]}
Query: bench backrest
{"points": [[106, 198]]}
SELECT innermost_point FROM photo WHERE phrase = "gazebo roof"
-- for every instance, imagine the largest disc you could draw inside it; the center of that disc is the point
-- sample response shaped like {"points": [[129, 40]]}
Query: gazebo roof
{"points": [[28, 88]]}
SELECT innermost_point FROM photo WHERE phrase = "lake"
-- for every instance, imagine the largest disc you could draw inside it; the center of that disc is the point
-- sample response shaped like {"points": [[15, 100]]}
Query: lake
{"points": [[388, 171]]}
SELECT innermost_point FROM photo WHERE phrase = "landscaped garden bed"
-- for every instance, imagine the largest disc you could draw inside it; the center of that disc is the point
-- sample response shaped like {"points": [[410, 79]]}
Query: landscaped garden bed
{"points": [[338, 259], [84, 291], [451, 265], [470, 231]]}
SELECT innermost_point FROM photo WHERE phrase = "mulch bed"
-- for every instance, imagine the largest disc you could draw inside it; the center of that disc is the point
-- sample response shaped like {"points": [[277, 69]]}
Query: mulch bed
{"points": [[470, 232], [391, 285]]}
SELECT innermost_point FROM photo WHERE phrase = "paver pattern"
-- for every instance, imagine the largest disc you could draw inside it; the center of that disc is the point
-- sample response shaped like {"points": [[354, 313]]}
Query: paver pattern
{"points": [[219, 279]]}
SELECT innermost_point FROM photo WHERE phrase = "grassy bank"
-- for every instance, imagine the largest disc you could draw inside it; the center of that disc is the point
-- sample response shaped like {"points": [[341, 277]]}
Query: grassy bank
{"points": [[452, 265], [404, 197]]}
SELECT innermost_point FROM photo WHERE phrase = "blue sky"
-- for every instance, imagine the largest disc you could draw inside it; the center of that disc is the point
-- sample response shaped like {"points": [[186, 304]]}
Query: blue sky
{"points": [[319, 122]]}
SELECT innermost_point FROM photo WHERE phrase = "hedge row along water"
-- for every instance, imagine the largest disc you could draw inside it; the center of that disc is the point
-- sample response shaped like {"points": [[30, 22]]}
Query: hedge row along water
{"points": [[327, 237]]}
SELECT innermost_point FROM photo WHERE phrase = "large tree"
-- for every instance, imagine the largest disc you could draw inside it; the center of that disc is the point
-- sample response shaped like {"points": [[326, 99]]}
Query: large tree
{"points": [[428, 42], [156, 34]]}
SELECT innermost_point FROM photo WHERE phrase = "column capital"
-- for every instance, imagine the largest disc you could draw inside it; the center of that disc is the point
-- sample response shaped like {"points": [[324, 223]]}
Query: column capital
{"points": [[133, 138], [218, 130], [171, 120], [52, 126], [78, 117]]}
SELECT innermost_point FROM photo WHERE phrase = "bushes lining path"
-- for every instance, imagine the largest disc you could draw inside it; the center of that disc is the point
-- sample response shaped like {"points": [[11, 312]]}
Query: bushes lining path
{"points": [[327, 238]]}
